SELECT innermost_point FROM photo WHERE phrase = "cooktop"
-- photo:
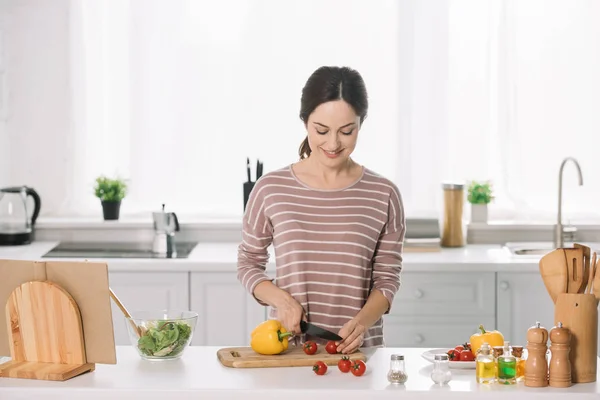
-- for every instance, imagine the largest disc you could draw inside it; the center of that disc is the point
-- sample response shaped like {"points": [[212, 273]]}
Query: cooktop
{"points": [[115, 250]]}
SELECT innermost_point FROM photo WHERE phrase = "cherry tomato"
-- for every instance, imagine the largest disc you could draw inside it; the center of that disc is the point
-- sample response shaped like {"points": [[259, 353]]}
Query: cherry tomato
{"points": [[459, 348], [310, 347], [467, 355], [331, 347], [358, 368], [453, 355], [345, 364], [320, 368]]}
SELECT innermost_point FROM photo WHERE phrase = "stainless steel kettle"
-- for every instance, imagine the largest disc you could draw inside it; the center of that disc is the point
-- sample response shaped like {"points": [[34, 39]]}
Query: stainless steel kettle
{"points": [[165, 226], [17, 220]]}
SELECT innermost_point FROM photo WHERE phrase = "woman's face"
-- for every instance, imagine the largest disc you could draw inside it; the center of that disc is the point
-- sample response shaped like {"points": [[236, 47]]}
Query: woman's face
{"points": [[332, 132]]}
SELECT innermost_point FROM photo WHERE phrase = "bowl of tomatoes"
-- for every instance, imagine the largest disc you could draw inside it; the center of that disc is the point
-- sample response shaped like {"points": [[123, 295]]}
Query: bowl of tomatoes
{"points": [[460, 357]]}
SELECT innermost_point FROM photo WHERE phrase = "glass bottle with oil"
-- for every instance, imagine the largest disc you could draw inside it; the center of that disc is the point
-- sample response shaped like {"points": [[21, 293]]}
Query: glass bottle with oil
{"points": [[507, 366], [485, 365], [517, 351]]}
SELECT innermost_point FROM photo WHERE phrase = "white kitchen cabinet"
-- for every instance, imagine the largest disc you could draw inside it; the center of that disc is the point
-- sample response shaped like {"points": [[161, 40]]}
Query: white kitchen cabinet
{"points": [[522, 300], [442, 331], [228, 313], [146, 291]]}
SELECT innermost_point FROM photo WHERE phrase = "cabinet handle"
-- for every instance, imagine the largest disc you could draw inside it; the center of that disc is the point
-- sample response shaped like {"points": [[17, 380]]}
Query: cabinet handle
{"points": [[419, 339], [504, 285], [418, 294]]}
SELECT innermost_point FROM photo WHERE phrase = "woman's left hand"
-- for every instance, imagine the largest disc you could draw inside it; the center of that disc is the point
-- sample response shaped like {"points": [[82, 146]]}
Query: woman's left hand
{"points": [[353, 334]]}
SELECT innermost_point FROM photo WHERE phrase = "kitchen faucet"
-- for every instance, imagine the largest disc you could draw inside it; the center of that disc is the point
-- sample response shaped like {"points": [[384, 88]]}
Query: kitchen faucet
{"points": [[559, 231]]}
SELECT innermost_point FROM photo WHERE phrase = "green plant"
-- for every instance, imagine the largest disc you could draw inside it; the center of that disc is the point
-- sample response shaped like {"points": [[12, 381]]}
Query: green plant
{"points": [[110, 190], [480, 193]]}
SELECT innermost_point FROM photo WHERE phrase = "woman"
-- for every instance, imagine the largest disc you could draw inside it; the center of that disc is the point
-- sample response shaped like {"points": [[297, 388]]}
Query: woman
{"points": [[337, 227]]}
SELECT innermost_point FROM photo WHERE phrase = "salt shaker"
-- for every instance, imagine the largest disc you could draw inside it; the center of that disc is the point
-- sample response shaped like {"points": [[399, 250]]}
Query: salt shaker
{"points": [[441, 373], [560, 363], [397, 374], [536, 366]]}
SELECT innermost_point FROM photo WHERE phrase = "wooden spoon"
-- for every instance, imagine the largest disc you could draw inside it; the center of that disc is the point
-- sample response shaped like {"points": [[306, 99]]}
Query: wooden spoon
{"points": [[137, 329], [596, 288], [574, 258], [553, 268], [586, 266]]}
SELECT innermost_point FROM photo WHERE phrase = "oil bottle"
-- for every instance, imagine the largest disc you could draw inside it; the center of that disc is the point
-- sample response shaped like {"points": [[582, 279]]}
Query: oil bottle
{"points": [[485, 366], [507, 366]]}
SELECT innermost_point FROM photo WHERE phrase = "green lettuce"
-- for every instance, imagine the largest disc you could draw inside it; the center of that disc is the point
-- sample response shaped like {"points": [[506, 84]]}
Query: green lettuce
{"points": [[164, 339]]}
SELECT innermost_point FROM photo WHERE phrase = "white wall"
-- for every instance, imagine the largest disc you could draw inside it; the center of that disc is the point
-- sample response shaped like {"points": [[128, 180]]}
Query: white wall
{"points": [[36, 134]]}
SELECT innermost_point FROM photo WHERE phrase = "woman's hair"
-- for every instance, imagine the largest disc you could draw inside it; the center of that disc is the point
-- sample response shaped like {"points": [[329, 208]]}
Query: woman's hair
{"points": [[332, 83]]}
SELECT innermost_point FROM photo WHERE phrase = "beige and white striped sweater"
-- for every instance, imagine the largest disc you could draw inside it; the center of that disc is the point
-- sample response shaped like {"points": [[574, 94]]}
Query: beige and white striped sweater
{"points": [[332, 247]]}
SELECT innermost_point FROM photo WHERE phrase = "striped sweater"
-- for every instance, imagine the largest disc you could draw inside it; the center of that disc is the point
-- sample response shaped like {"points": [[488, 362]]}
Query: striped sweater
{"points": [[332, 247]]}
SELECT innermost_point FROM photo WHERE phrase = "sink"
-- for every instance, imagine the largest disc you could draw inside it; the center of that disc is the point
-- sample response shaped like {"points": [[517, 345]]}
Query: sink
{"points": [[539, 249], [114, 250]]}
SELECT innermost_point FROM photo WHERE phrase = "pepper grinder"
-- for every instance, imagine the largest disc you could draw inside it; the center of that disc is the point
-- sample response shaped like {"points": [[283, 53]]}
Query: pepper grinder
{"points": [[560, 364], [536, 366]]}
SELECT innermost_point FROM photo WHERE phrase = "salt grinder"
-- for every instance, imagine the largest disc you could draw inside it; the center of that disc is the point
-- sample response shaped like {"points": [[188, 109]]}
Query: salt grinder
{"points": [[536, 366], [560, 364]]}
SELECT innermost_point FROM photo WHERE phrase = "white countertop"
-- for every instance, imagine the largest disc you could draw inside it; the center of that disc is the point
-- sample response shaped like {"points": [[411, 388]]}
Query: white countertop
{"points": [[222, 256], [199, 375]]}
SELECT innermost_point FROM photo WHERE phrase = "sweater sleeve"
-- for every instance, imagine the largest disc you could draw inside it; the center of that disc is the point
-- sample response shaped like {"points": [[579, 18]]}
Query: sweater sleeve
{"points": [[387, 260], [257, 236]]}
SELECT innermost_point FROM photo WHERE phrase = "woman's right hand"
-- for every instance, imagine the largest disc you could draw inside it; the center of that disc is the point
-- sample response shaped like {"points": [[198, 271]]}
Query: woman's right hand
{"points": [[289, 313]]}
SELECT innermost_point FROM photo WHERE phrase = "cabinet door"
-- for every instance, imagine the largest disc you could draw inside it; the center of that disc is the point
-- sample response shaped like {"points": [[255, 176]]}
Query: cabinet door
{"points": [[146, 291], [228, 313], [522, 300]]}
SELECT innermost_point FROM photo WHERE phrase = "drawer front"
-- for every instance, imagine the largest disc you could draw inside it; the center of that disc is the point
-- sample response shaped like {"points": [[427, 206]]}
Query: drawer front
{"points": [[446, 293], [432, 333]]}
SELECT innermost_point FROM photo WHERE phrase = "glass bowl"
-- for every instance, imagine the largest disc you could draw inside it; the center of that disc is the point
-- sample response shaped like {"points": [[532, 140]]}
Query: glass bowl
{"points": [[161, 334]]}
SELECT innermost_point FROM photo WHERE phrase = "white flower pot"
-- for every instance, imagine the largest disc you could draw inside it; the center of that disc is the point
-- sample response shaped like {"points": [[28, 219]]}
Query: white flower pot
{"points": [[479, 213]]}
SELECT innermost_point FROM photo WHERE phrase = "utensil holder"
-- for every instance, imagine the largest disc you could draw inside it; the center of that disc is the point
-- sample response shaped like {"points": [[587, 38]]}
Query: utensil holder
{"points": [[248, 186], [579, 313]]}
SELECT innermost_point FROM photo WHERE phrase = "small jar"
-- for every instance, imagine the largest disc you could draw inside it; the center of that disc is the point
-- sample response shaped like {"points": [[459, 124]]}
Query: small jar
{"points": [[441, 373], [397, 373]]}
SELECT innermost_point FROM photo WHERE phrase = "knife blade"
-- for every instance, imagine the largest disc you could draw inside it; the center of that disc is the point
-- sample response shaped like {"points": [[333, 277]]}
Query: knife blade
{"points": [[310, 329]]}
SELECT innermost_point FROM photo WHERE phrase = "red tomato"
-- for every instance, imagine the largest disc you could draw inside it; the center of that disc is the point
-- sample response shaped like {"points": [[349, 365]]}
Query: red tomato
{"points": [[331, 347], [345, 364], [310, 347], [358, 368], [453, 355], [467, 355], [459, 348], [320, 368]]}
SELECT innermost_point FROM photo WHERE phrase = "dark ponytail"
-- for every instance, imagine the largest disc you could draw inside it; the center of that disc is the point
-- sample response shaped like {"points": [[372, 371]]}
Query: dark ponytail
{"points": [[328, 84], [304, 150]]}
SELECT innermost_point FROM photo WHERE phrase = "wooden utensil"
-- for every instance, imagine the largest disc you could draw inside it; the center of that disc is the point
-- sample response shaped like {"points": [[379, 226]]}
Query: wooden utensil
{"points": [[136, 328], [45, 334], [586, 265], [245, 357], [596, 283], [574, 258], [591, 274], [553, 268]]}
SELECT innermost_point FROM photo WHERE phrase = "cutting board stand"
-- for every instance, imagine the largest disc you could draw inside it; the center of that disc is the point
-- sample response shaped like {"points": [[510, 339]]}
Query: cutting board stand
{"points": [[245, 357], [45, 334], [579, 313]]}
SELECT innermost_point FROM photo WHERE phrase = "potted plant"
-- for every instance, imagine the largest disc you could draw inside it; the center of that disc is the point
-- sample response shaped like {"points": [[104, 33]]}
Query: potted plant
{"points": [[480, 195], [110, 192]]}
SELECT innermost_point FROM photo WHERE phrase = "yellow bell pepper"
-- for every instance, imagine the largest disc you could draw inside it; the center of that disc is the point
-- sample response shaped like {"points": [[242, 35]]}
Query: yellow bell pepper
{"points": [[493, 338], [269, 338]]}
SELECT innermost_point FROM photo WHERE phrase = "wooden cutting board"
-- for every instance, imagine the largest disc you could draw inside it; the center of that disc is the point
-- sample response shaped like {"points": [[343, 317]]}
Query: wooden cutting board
{"points": [[245, 357]]}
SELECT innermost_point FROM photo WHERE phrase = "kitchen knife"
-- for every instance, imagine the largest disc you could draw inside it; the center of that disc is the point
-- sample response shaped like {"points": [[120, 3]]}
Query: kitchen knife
{"points": [[310, 329]]}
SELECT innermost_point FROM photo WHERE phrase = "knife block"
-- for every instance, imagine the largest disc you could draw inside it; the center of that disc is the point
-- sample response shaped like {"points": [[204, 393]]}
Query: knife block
{"points": [[579, 313], [248, 186], [45, 334]]}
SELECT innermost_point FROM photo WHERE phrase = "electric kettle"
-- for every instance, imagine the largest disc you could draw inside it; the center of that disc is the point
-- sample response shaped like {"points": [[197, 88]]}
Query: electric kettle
{"points": [[17, 220]]}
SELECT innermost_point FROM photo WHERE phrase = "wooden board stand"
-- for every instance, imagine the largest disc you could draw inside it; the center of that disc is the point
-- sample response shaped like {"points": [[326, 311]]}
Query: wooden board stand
{"points": [[579, 313], [45, 334], [245, 357]]}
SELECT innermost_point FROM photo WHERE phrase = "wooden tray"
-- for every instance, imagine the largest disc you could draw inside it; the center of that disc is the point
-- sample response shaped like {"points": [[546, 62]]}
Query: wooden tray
{"points": [[245, 357]]}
